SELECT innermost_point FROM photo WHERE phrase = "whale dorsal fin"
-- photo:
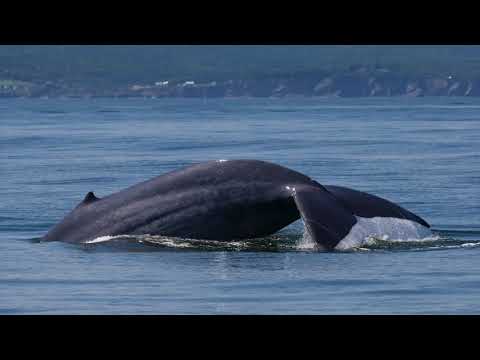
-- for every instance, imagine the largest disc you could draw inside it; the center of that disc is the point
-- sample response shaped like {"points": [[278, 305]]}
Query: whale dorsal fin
{"points": [[89, 198]]}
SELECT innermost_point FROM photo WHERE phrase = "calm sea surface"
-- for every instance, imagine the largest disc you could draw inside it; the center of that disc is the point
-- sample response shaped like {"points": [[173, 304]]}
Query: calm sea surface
{"points": [[421, 153]]}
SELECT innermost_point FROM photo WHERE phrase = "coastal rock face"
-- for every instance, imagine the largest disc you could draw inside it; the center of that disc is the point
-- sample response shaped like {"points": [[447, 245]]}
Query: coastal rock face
{"points": [[455, 89], [280, 90], [436, 87], [352, 86], [473, 88], [377, 88], [357, 81], [324, 87], [415, 93], [413, 89], [459, 88]]}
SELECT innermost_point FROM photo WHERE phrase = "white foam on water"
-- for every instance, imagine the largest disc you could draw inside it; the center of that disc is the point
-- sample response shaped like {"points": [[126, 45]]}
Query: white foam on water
{"points": [[306, 242], [171, 242], [465, 245], [368, 230], [176, 242], [469, 245], [100, 239]]}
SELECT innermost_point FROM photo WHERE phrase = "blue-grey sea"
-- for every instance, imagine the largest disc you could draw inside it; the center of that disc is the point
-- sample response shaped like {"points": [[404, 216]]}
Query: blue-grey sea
{"points": [[422, 153]]}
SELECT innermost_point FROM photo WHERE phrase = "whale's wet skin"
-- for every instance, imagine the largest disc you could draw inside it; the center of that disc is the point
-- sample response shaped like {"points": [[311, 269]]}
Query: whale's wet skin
{"points": [[421, 154], [235, 200]]}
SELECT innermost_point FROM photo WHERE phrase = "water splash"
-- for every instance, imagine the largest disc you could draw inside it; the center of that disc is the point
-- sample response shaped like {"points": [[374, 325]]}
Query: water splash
{"points": [[167, 242], [376, 234], [306, 242], [368, 230], [101, 239]]}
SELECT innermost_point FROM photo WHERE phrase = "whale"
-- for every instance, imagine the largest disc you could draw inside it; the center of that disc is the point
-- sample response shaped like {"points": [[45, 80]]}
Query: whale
{"points": [[228, 200]]}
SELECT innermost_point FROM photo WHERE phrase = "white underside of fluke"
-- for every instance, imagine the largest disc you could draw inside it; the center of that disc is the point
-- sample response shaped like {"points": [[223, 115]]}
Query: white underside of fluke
{"points": [[367, 230], [384, 228]]}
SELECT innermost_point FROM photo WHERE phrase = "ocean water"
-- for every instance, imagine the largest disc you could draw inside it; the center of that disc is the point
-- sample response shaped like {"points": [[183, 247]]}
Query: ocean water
{"points": [[423, 154]]}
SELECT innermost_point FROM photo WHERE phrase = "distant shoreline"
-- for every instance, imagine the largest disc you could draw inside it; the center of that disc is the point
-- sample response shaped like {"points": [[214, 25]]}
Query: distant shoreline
{"points": [[237, 71], [237, 98], [357, 83]]}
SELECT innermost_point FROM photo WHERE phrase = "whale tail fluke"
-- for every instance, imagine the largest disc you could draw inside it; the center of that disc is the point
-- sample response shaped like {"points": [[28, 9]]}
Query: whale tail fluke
{"points": [[369, 206], [326, 220], [330, 212]]}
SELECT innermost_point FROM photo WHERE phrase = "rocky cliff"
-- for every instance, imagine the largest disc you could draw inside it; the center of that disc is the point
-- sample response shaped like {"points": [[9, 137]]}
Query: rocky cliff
{"points": [[356, 82]]}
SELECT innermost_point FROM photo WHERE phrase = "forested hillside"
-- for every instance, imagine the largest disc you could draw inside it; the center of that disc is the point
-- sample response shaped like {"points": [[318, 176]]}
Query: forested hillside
{"points": [[107, 67]]}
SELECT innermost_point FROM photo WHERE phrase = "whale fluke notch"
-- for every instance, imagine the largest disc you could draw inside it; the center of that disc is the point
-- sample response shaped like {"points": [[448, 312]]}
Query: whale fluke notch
{"points": [[89, 198]]}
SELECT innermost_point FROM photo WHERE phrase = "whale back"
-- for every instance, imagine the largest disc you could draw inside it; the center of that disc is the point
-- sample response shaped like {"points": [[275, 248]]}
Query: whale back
{"points": [[193, 201], [226, 200]]}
